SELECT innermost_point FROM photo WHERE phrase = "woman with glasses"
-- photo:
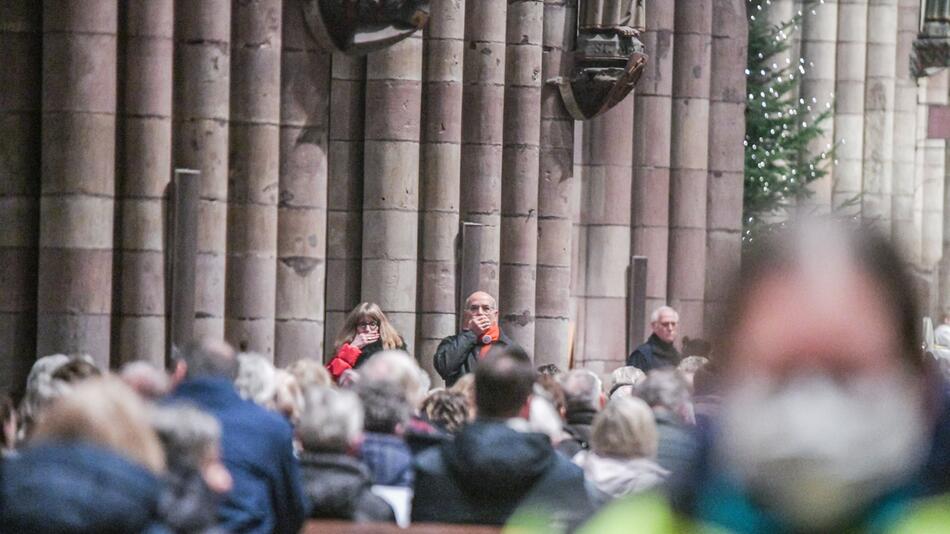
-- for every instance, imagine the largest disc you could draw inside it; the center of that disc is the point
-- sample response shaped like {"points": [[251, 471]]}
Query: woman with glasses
{"points": [[365, 332]]}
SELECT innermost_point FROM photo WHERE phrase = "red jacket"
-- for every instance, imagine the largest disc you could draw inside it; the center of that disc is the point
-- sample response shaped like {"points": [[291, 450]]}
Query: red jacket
{"points": [[344, 359]]}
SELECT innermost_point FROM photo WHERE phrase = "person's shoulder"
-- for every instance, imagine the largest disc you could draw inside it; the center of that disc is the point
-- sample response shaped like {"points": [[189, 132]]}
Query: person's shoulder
{"points": [[430, 461]]}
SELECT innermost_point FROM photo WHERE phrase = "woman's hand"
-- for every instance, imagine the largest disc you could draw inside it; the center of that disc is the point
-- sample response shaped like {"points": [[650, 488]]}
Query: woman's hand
{"points": [[365, 338]]}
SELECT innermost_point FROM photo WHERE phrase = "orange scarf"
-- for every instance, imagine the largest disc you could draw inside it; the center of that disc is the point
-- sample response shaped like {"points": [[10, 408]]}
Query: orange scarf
{"points": [[494, 332]]}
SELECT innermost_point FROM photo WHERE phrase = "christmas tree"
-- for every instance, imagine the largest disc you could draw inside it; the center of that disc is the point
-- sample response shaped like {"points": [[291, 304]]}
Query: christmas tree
{"points": [[780, 127]]}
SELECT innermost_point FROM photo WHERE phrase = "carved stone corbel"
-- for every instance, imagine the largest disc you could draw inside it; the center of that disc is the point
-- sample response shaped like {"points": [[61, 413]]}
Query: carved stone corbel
{"points": [[358, 27]]}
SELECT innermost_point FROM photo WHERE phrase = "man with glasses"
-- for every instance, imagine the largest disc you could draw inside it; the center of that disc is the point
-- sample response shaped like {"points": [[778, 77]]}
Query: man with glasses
{"points": [[658, 351], [459, 354]]}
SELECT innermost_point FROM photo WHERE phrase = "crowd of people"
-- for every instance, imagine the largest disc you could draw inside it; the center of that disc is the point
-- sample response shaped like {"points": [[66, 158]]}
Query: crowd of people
{"points": [[812, 409]]}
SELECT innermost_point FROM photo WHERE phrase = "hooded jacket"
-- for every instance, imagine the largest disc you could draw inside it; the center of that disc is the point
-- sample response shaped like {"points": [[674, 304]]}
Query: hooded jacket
{"points": [[489, 471], [338, 487]]}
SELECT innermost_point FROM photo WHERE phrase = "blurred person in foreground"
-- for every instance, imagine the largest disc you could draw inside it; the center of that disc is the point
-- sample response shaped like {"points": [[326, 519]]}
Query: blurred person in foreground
{"points": [[337, 485], [623, 380], [383, 449], [256, 444], [460, 354], [583, 398], [496, 464], [446, 410], [667, 394], [828, 409]]}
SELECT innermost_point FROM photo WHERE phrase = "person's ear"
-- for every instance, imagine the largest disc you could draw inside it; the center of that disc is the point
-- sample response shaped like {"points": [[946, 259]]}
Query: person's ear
{"points": [[179, 372]]}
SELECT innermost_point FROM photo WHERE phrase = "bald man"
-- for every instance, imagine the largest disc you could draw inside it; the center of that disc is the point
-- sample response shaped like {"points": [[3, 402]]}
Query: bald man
{"points": [[459, 354]]}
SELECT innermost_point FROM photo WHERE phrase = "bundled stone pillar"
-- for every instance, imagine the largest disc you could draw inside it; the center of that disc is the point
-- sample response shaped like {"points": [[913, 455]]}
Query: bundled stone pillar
{"points": [[21, 77], [726, 153], [202, 100], [145, 152], [77, 204], [441, 166], [906, 237], [933, 167], [519, 186], [651, 153], [849, 104], [879, 113], [689, 162], [344, 193], [302, 205], [483, 106], [819, 37], [555, 189], [391, 183]]}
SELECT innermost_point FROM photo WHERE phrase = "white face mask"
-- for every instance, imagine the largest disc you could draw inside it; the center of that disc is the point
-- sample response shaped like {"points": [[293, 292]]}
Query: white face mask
{"points": [[815, 451]]}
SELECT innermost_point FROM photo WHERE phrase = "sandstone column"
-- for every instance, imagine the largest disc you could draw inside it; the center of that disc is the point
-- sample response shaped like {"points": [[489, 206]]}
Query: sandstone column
{"points": [[441, 156], [202, 99], [934, 166], [519, 186], [391, 183], [726, 153], [344, 193], [483, 106], [251, 282], [879, 113], [77, 204], [906, 237], [689, 163], [21, 77], [651, 152], [556, 186], [819, 35], [145, 152], [302, 207], [849, 104]]}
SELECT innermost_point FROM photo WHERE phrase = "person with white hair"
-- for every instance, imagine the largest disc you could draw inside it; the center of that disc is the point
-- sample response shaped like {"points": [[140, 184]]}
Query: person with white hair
{"points": [[659, 350], [42, 388], [623, 379], [256, 379], [583, 398], [667, 393], [336, 484]]}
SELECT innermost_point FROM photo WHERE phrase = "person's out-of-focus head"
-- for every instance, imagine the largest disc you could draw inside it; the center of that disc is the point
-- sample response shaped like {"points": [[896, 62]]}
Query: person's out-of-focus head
{"points": [[626, 429], [146, 379], [549, 387], [446, 409], [255, 379], [627, 375], [76, 370], [665, 323], [385, 409], [288, 395], [42, 387], [504, 382], [310, 373], [583, 391], [396, 367], [332, 420], [689, 365], [466, 386], [823, 382], [104, 412], [549, 369], [623, 391], [666, 392], [191, 439], [543, 418], [209, 357]]}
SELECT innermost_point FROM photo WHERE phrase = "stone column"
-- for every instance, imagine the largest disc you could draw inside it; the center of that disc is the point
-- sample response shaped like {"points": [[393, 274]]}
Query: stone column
{"points": [[391, 183], [202, 99], [819, 43], [689, 163], [934, 166], [483, 106], [651, 152], [302, 205], [441, 166], [78, 190], [726, 154], [519, 186], [344, 193], [556, 187], [606, 192], [251, 282], [145, 153], [879, 113], [905, 122], [781, 12], [20, 101], [849, 104]]}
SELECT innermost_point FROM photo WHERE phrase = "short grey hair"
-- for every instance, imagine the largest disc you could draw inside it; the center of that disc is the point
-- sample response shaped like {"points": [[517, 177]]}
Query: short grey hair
{"points": [[256, 380], [331, 421], [41, 388], [582, 390], [188, 434], [665, 388], [209, 357], [626, 375], [399, 368], [655, 316], [384, 406]]}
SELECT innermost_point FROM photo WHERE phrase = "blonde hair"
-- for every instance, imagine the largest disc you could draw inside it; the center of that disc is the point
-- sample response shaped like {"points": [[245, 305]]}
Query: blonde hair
{"points": [[625, 428], [309, 373], [106, 412], [368, 310], [288, 398]]}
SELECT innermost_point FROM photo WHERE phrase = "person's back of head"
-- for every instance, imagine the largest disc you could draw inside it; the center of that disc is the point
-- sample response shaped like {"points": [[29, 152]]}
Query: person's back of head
{"points": [[583, 391], [446, 409], [145, 378], [625, 428], [665, 391], [399, 368], [332, 420], [76, 370], [550, 369], [209, 357], [288, 395], [309, 373], [255, 379], [504, 381], [191, 439], [385, 407], [627, 375]]}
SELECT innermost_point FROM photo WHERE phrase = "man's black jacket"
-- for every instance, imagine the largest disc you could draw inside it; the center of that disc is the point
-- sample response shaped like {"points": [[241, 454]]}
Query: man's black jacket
{"points": [[458, 355]]}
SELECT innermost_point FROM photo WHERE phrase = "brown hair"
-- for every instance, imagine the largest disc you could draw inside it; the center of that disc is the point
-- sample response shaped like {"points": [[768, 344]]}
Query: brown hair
{"points": [[447, 409], [368, 310]]}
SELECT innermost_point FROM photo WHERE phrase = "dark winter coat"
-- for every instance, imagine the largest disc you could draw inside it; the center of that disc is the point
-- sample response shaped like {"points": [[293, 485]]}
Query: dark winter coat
{"points": [[337, 486], [578, 427], [257, 448], [388, 459], [654, 354], [458, 355], [489, 471], [677, 444]]}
